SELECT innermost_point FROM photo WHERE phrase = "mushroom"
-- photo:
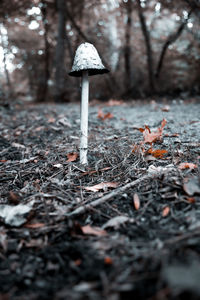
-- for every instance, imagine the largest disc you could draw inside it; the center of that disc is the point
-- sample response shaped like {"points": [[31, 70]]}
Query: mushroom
{"points": [[86, 63]]}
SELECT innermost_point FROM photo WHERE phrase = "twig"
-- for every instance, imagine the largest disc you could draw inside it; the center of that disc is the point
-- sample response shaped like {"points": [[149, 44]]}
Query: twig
{"points": [[182, 237], [80, 210]]}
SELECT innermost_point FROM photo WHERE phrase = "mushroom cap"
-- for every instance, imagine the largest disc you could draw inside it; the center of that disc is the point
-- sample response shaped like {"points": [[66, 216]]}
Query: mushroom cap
{"points": [[87, 59]]}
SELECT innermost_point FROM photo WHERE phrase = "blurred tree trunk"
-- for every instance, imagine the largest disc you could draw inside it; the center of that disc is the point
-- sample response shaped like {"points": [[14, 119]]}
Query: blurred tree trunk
{"points": [[7, 75], [69, 46], [171, 39], [43, 85], [127, 48], [80, 17], [146, 35], [60, 53]]}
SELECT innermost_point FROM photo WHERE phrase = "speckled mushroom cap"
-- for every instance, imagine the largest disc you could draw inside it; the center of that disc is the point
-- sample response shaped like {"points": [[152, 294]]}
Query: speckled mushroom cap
{"points": [[87, 58]]}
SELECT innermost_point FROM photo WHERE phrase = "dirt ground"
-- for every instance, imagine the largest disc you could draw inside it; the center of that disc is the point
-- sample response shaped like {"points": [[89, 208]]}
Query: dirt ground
{"points": [[127, 226]]}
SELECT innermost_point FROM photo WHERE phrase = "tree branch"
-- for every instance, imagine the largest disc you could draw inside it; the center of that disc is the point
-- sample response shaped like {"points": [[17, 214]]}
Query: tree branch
{"points": [[148, 45], [171, 39]]}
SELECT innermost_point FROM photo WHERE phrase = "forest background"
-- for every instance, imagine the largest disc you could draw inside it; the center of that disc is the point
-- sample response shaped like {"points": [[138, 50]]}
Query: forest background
{"points": [[150, 47]]}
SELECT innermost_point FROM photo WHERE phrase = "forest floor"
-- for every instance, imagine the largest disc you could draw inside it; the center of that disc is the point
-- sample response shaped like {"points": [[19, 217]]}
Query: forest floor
{"points": [[127, 226]]}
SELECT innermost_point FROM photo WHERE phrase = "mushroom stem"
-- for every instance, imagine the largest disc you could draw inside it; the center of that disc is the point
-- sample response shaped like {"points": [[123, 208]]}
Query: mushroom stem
{"points": [[84, 118]]}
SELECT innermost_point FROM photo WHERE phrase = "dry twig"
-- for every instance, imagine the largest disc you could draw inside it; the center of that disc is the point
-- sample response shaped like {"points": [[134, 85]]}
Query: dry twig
{"points": [[80, 210]]}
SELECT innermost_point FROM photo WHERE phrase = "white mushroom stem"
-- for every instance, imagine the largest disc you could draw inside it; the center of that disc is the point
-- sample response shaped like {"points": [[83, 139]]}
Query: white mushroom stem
{"points": [[84, 118]]}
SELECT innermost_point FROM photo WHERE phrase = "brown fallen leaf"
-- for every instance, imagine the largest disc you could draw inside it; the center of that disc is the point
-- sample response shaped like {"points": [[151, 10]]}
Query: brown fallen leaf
{"points": [[191, 199], [165, 211], [138, 148], [95, 171], [72, 156], [101, 186], [14, 197], [113, 102], [89, 230], [34, 225], [108, 260], [158, 153], [143, 129], [136, 201], [103, 116], [187, 165], [152, 137], [78, 262]]}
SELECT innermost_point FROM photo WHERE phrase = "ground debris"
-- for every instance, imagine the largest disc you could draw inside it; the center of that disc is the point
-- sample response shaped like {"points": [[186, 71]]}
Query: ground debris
{"points": [[15, 215], [128, 220]]}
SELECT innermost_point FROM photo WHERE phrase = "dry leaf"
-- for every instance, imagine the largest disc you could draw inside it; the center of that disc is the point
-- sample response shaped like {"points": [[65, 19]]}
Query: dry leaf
{"points": [[160, 170], [103, 116], [89, 230], [117, 221], [113, 102], [95, 171], [142, 129], [51, 120], [100, 114], [158, 153], [165, 211], [39, 128], [14, 197], [101, 186], [63, 121], [108, 260], [15, 215], [191, 199], [78, 262], [166, 108], [72, 156], [108, 116], [187, 165], [137, 148], [136, 201], [152, 137], [35, 225]]}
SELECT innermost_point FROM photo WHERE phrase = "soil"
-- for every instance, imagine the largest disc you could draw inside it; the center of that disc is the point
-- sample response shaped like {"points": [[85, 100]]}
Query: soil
{"points": [[143, 242]]}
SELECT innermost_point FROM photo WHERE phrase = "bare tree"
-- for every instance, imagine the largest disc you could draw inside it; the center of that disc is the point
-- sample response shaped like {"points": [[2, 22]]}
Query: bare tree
{"points": [[170, 40], [60, 52], [127, 48], [7, 75], [43, 85], [147, 39]]}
